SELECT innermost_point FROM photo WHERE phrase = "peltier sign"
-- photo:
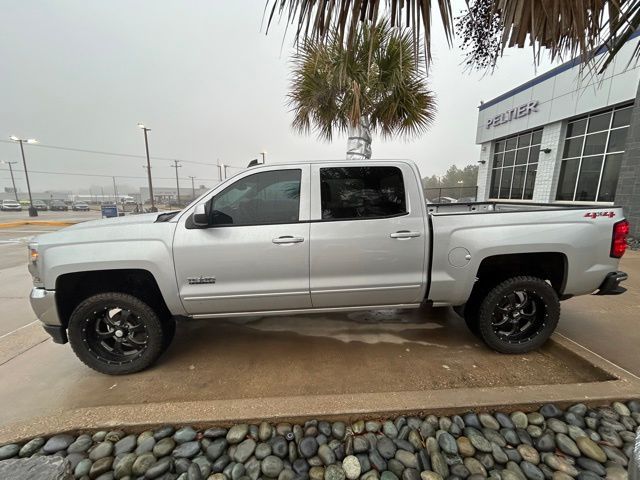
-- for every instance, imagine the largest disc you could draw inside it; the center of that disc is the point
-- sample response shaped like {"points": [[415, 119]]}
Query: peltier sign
{"points": [[517, 112]]}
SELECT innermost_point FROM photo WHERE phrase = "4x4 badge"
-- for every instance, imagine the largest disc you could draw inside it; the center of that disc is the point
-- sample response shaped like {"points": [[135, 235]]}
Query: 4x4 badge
{"points": [[594, 215]]}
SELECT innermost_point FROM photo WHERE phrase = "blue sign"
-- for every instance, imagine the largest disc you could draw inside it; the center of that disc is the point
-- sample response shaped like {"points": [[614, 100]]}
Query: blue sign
{"points": [[109, 211]]}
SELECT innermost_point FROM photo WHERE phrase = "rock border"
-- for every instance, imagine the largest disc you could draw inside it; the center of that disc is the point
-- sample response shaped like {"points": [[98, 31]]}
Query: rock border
{"points": [[547, 444]]}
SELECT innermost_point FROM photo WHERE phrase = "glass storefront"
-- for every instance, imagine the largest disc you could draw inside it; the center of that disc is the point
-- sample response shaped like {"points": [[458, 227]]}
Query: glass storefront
{"points": [[515, 163], [592, 155]]}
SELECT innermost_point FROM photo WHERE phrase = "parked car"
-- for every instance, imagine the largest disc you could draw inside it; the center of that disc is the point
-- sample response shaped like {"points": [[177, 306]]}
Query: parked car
{"points": [[40, 205], [80, 207], [10, 206], [58, 206], [298, 238]]}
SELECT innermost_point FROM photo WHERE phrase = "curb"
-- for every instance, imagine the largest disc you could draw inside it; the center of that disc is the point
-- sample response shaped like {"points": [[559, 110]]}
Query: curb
{"points": [[42, 223]]}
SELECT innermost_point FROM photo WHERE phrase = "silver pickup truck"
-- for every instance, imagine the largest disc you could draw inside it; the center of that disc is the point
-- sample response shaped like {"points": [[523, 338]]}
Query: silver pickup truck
{"points": [[319, 237]]}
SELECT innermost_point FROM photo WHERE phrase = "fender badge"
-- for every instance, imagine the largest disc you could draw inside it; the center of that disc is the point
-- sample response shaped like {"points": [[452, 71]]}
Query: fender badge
{"points": [[200, 280]]}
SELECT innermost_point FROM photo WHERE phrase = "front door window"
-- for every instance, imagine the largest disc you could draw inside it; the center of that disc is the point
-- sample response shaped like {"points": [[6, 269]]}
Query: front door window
{"points": [[264, 198]]}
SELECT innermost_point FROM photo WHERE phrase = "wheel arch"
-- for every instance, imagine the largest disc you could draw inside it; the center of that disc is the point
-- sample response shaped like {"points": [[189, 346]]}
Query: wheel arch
{"points": [[550, 266], [73, 288]]}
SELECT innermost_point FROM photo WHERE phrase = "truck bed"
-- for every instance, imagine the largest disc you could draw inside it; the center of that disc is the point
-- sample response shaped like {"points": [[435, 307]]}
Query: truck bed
{"points": [[578, 235], [503, 206]]}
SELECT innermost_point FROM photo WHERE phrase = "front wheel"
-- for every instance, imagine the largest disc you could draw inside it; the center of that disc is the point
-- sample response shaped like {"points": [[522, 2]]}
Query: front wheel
{"points": [[116, 333], [518, 315]]}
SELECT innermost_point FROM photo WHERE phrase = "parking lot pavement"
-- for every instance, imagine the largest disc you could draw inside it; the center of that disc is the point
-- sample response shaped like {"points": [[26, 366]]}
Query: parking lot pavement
{"points": [[70, 216], [609, 325], [273, 361]]}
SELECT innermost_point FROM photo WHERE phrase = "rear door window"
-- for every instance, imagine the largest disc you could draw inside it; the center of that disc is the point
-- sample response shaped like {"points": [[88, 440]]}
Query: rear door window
{"points": [[361, 192]]}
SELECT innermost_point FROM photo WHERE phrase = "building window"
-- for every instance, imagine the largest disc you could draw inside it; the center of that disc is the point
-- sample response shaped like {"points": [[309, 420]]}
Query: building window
{"points": [[515, 163], [592, 155]]}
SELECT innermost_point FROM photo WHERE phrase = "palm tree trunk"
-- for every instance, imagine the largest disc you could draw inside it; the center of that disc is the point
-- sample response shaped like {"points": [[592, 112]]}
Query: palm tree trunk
{"points": [[359, 143]]}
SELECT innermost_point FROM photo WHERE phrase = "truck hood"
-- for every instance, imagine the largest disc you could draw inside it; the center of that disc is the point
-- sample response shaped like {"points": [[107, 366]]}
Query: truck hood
{"points": [[116, 221], [130, 227]]}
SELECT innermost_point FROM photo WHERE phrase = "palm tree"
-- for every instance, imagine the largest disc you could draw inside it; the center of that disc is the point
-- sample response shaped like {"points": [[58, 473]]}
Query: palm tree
{"points": [[563, 27], [373, 84]]}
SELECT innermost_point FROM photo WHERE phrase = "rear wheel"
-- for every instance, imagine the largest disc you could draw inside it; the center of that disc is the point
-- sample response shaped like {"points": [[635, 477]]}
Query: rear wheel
{"points": [[116, 333], [518, 315]]}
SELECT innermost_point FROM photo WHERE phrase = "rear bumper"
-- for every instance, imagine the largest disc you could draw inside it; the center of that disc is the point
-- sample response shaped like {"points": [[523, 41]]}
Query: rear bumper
{"points": [[43, 303], [611, 284]]}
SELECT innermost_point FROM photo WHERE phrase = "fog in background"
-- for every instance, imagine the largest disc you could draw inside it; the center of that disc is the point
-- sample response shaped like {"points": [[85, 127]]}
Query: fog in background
{"points": [[207, 81]]}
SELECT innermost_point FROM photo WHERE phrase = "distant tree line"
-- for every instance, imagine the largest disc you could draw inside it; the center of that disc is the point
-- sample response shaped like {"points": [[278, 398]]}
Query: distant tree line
{"points": [[468, 175]]}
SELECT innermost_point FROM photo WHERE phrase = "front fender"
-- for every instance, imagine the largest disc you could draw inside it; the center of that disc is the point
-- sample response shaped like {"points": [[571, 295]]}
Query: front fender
{"points": [[153, 256]]}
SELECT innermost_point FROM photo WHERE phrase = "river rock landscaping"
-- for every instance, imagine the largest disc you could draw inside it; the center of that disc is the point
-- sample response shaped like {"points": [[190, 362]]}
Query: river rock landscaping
{"points": [[579, 442]]}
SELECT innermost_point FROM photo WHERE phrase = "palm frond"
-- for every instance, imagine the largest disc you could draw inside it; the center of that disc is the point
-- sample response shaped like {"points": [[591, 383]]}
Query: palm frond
{"points": [[562, 27], [377, 75]]}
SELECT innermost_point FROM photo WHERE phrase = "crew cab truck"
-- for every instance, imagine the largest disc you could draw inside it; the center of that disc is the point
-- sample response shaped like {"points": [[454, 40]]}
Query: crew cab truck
{"points": [[319, 237]]}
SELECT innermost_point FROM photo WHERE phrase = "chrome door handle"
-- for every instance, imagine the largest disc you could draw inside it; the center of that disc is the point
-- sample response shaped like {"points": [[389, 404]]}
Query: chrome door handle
{"points": [[405, 234], [286, 239]]}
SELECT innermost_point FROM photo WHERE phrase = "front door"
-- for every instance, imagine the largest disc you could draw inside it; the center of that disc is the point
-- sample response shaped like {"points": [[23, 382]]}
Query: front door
{"points": [[367, 236], [255, 254]]}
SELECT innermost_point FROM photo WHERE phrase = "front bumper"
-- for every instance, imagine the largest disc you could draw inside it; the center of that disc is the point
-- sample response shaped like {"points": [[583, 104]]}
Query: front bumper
{"points": [[611, 284], [43, 303]]}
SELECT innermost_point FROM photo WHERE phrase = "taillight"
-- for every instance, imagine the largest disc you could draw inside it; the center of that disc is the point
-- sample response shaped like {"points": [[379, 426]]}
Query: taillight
{"points": [[619, 240]]}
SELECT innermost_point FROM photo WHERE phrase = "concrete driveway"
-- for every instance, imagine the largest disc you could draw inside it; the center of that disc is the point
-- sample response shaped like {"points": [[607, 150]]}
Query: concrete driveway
{"points": [[273, 362]]}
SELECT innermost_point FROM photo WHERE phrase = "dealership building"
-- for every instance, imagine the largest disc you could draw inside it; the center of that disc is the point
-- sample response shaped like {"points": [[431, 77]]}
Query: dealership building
{"points": [[568, 136]]}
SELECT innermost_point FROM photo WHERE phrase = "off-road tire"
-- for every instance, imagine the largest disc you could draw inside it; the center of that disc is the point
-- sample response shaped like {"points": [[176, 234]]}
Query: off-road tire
{"points": [[80, 318], [544, 294]]}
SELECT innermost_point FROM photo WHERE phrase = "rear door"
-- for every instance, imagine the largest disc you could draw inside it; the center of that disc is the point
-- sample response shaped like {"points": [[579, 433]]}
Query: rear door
{"points": [[368, 235]]}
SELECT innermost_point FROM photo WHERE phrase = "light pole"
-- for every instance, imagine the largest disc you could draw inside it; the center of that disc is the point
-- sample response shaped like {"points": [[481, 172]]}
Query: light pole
{"points": [[13, 181], [32, 211], [193, 188], [177, 166], [115, 190], [146, 146]]}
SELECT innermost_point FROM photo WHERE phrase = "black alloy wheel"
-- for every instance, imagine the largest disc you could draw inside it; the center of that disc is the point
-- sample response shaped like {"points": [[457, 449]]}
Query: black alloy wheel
{"points": [[116, 333], [518, 315]]}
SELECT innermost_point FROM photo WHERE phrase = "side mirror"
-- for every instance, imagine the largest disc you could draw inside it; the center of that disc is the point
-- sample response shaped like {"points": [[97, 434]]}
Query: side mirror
{"points": [[200, 217]]}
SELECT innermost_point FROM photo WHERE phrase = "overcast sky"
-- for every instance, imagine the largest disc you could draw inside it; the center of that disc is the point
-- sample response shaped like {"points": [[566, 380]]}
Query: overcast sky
{"points": [[204, 77]]}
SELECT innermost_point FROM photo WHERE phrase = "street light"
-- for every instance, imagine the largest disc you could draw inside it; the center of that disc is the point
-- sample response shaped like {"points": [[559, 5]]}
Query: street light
{"points": [[13, 181], [32, 211], [146, 146]]}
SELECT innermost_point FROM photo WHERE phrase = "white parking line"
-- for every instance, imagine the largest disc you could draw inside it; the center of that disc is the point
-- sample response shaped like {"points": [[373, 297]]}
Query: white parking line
{"points": [[18, 329]]}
